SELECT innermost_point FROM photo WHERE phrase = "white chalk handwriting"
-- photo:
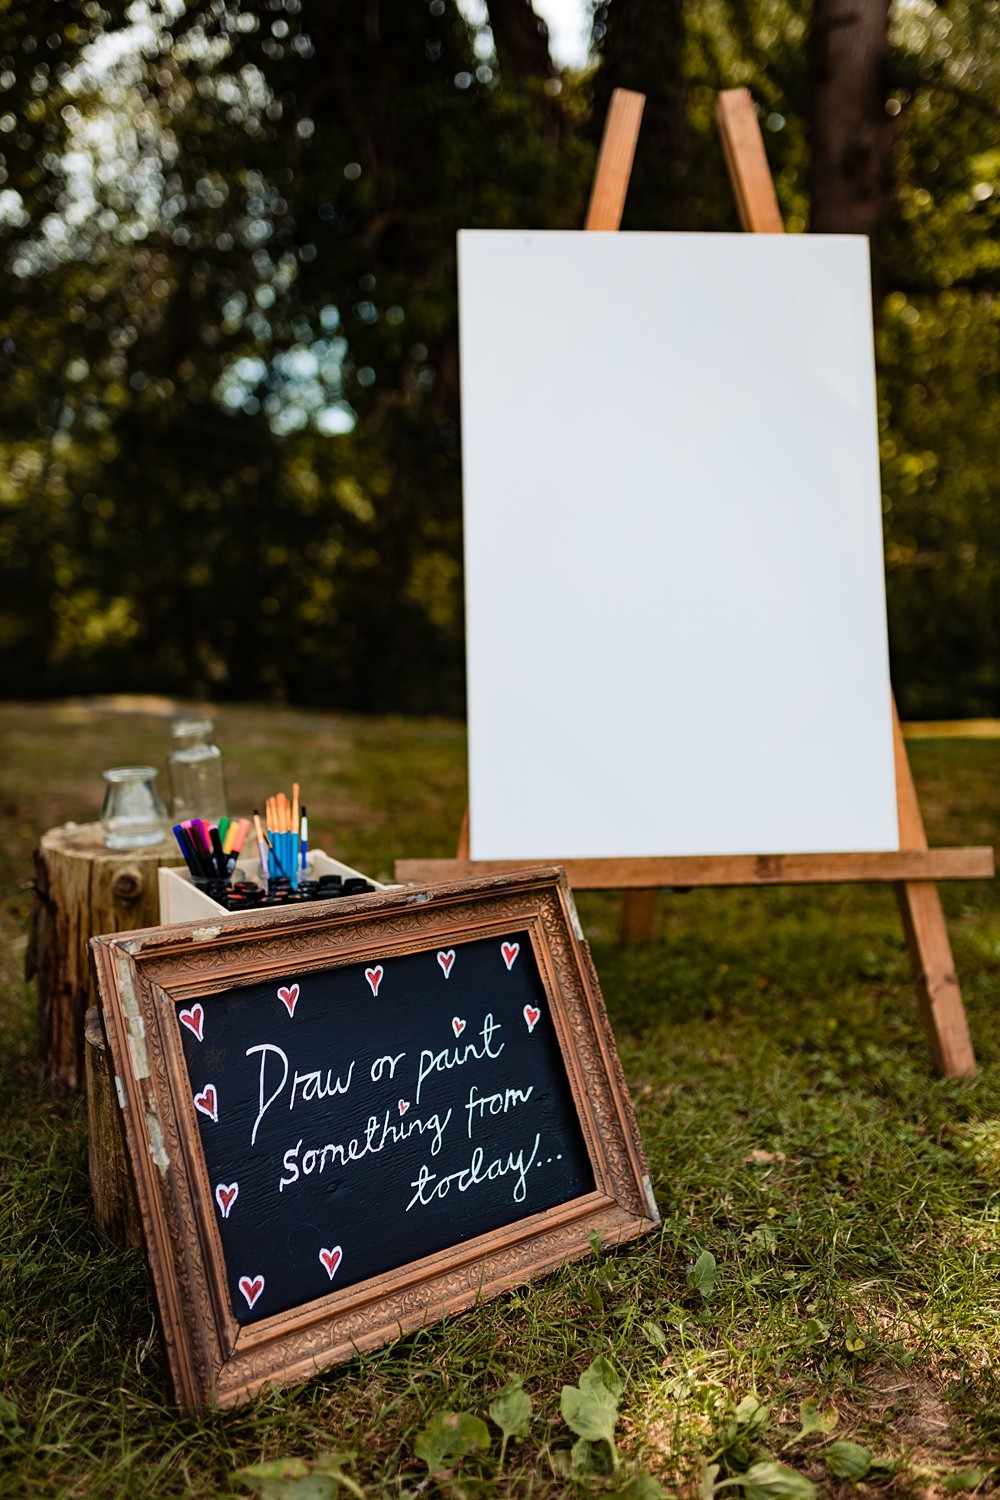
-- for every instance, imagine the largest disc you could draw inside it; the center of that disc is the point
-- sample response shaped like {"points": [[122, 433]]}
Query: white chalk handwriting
{"points": [[314, 1085], [378, 1134], [457, 1057], [429, 1186]]}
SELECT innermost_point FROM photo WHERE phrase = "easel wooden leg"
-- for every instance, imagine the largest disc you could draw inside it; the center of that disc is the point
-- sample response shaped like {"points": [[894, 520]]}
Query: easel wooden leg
{"points": [[919, 903], [938, 992], [638, 916], [637, 923], [614, 160], [604, 212]]}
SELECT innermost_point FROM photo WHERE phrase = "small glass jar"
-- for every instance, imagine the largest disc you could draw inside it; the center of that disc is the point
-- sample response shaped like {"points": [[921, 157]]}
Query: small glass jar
{"points": [[133, 815], [197, 783]]}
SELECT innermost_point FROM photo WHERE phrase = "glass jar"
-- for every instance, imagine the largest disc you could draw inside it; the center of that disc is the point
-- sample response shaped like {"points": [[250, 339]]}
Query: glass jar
{"points": [[133, 814], [197, 783]]}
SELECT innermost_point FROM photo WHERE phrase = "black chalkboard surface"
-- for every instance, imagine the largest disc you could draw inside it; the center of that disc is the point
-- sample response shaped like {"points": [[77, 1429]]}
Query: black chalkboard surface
{"points": [[344, 1124], [359, 1119]]}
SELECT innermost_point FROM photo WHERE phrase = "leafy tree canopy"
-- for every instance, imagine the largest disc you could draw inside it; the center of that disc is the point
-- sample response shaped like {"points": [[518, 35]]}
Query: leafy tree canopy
{"points": [[229, 321]]}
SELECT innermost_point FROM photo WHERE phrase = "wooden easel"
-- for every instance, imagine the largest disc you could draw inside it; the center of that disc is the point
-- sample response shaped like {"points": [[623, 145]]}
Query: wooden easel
{"points": [[912, 869]]}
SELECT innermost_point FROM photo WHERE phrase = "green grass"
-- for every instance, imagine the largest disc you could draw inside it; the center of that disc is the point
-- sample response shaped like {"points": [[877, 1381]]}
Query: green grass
{"points": [[795, 1133]]}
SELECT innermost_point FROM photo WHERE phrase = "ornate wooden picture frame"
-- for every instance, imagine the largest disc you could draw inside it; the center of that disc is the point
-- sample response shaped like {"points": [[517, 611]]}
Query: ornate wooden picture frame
{"points": [[322, 1160]]}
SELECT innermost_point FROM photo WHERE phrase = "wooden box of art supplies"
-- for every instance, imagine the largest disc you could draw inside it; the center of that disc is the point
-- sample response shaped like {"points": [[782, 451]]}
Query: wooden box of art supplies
{"points": [[239, 865], [181, 900]]}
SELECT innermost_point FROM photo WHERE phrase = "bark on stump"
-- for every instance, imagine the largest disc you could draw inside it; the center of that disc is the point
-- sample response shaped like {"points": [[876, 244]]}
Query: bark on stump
{"points": [[82, 889], [115, 1208]]}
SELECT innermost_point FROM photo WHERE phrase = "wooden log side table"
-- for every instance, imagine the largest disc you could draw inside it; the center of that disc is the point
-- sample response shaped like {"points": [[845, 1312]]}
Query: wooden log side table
{"points": [[82, 888]]}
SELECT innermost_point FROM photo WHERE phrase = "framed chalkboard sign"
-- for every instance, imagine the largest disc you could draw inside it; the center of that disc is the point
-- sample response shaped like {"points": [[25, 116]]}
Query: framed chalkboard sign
{"points": [[345, 1124]]}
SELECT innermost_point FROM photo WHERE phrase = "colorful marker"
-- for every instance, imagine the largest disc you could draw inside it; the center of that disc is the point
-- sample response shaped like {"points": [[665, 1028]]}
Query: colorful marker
{"points": [[265, 868]]}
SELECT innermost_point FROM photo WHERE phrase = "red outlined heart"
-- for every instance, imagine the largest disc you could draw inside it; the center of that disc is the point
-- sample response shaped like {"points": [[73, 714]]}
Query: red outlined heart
{"points": [[446, 960], [208, 1102], [457, 1025], [288, 995], [510, 952], [194, 1020], [404, 1105], [251, 1288], [331, 1260], [374, 977], [531, 1015], [225, 1196]]}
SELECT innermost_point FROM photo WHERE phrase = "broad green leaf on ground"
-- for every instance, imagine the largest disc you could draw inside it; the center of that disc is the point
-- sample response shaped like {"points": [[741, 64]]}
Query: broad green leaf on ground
{"points": [[964, 1479], [449, 1436], [287, 1479], [297, 1479], [642, 1487], [592, 1415], [814, 1419], [511, 1411], [701, 1276], [770, 1480], [655, 1335], [591, 1409], [847, 1460], [752, 1413], [601, 1375], [706, 1481]]}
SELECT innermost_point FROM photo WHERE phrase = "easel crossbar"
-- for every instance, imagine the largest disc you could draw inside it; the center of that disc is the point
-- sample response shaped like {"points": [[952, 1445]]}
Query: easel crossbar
{"points": [[686, 871]]}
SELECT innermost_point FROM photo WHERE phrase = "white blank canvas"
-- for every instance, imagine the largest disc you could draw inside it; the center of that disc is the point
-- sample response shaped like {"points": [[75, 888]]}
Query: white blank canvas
{"points": [[674, 580]]}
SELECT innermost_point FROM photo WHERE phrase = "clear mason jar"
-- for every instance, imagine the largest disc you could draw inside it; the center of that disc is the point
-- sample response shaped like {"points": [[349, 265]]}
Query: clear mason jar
{"points": [[133, 814], [197, 782]]}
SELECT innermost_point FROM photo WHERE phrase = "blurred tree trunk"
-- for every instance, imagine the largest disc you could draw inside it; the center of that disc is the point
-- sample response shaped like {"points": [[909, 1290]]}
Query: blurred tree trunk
{"points": [[522, 40], [641, 47], [851, 135]]}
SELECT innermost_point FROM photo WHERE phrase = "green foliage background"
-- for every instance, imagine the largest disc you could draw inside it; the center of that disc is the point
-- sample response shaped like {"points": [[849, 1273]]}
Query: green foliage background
{"points": [[230, 426]]}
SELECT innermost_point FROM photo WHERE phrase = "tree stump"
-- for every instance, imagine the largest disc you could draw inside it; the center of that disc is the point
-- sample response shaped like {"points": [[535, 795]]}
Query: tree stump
{"points": [[82, 888], [115, 1208]]}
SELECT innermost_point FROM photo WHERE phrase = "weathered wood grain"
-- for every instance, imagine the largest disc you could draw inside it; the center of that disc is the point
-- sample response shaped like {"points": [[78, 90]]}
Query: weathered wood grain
{"points": [[82, 889]]}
